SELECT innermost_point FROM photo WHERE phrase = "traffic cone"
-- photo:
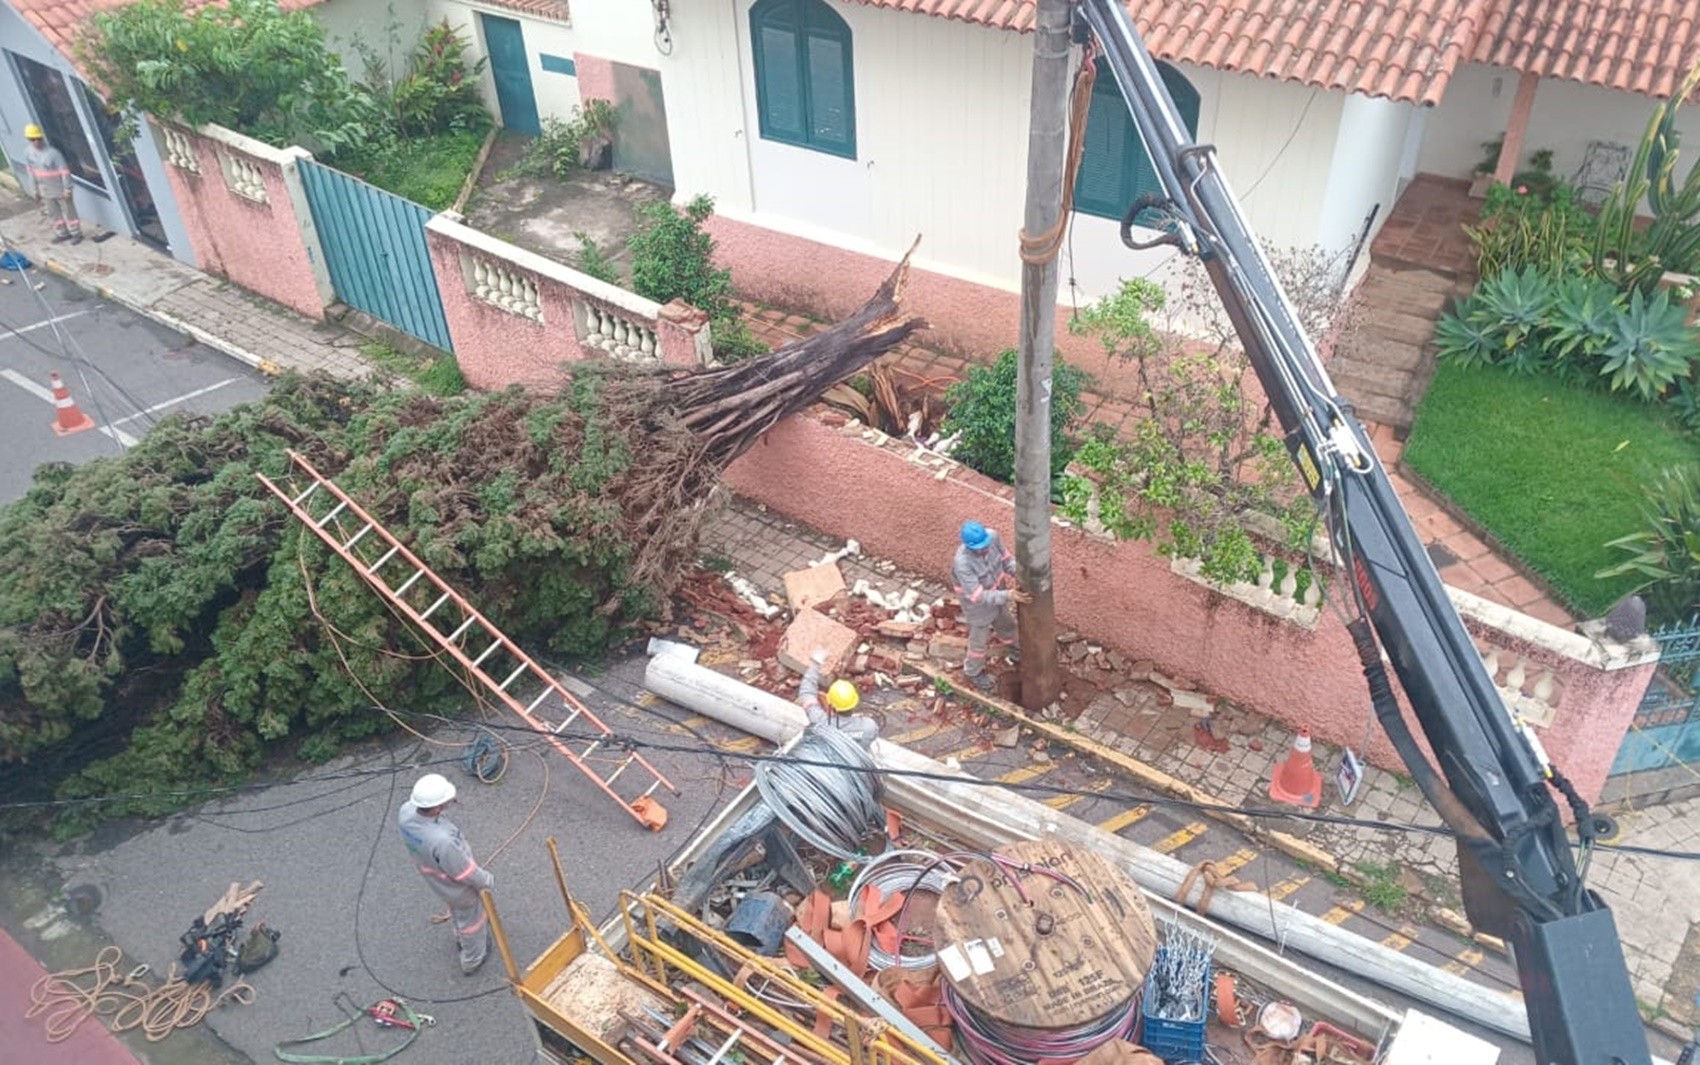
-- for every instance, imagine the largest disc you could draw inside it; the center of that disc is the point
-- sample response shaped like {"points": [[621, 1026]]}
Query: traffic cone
{"points": [[70, 419], [1297, 782]]}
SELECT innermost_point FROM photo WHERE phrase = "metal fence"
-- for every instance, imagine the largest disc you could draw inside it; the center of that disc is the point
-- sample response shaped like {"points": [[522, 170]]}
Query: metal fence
{"points": [[1666, 728]]}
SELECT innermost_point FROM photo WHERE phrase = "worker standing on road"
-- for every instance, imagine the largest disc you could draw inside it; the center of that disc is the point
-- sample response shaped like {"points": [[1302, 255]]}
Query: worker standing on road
{"points": [[842, 697], [52, 180], [984, 576], [445, 861]]}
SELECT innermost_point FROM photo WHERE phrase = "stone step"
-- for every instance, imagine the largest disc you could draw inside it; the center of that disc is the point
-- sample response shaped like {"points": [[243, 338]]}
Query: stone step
{"points": [[1373, 350], [1367, 378], [1389, 323], [1398, 291], [1386, 411]]}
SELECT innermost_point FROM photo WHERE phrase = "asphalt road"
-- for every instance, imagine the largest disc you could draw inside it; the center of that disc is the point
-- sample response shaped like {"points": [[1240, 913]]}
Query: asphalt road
{"points": [[124, 372]]}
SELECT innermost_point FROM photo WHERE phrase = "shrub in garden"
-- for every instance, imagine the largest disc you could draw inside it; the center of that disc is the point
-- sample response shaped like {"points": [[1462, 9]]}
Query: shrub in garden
{"points": [[1518, 229], [673, 259], [982, 410], [1666, 552], [560, 148], [440, 90]]}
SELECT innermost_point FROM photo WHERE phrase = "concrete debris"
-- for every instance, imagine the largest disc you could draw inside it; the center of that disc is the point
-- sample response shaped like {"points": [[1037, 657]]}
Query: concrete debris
{"points": [[898, 630], [813, 586], [882, 680], [813, 631], [1040, 755], [947, 646], [749, 594], [1126, 696], [1193, 703], [851, 549], [1009, 737], [906, 605], [659, 646]]}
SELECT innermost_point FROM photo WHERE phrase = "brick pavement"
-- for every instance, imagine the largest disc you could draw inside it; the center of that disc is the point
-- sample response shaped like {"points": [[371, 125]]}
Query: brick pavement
{"points": [[1656, 900]]}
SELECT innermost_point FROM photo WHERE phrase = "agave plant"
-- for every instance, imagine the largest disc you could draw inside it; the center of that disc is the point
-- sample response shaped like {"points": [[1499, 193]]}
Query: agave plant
{"points": [[1665, 554], [1517, 302], [1579, 322], [1466, 336], [1649, 346]]}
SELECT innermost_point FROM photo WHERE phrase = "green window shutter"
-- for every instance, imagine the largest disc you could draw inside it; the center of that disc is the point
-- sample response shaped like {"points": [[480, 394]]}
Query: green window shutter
{"points": [[1115, 168], [805, 87]]}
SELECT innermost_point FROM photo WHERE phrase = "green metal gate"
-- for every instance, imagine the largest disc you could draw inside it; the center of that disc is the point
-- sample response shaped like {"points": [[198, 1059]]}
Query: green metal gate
{"points": [[1666, 728], [374, 244]]}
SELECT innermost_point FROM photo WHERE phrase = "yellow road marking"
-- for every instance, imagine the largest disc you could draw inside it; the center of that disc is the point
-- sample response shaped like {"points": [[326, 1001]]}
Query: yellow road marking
{"points": [[1287, 887], [1115, 824], [973, 751], [1236, 861], [740, 746], [924, 732], [1401, 939], [1467, 959], [1026, 773], [646, 698], [1338, 914], [695, 721], [1063, 802], [1179, 838]]}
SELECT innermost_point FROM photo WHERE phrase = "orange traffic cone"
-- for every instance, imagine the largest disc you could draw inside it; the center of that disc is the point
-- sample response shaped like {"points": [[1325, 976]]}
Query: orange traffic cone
{"points": [[1297, 782], [70, 419]]}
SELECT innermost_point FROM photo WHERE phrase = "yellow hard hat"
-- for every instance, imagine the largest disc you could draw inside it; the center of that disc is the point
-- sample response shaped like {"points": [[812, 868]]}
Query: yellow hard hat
{"points": [[32, 132], [842, 696]]}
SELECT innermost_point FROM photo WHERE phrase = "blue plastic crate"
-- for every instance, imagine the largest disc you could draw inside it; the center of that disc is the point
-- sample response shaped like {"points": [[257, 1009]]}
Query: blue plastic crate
{"points": [[1173, 1041]]}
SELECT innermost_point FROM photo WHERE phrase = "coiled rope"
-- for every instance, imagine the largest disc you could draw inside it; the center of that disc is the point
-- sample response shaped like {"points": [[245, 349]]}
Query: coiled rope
{"points": [[831, 810], [69, 997]]}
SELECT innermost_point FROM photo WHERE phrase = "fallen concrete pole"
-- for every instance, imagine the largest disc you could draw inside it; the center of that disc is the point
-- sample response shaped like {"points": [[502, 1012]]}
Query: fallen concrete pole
{"points": [[989, 817], [724, 698]]}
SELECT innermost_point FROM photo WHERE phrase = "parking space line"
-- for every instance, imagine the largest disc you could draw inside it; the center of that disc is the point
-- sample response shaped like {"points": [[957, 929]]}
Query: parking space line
{"points": [[1063, 802], [903, 739], [1179, 838], [1026, 773], [1338, 914], [21, 330], [1467, 959], [1115, 824], [184, 398], [46, 395], [1287, 887]]}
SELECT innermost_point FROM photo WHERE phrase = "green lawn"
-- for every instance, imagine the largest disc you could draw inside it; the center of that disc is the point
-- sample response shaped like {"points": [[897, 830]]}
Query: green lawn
{"points": [[427, 170], [1553, 470]]}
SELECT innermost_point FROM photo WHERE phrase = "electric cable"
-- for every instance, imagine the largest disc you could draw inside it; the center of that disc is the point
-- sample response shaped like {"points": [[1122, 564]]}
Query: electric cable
{"points": [[892, 872], [987, 1041]]}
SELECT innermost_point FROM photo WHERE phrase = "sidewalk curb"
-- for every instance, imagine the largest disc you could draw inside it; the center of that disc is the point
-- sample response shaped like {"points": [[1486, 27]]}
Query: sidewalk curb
{"points": [[170, 321], [1159, 781]]}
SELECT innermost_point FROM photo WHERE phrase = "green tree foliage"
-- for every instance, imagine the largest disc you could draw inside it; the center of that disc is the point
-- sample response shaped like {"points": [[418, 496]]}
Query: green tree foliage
{"points": [[982, 411], [247, 65], [673, 259], [160, 613]]}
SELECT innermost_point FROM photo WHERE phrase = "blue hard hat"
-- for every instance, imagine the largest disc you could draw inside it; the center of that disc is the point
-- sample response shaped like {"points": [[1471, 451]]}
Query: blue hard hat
{"points": [[975, 536]]}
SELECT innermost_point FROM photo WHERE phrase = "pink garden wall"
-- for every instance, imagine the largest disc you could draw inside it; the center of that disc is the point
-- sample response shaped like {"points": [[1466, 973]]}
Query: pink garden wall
{"points": [[242, 215], [1125, 596]]}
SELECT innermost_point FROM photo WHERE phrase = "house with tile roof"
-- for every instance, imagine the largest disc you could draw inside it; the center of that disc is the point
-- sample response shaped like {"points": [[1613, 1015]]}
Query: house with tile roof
{"points": [[831, 132]]}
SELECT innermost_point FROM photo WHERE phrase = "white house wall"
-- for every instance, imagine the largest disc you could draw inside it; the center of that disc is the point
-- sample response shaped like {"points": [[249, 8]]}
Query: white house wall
{"points": [[1567, 115], [557, 94], [1365, 173], [389, 29]]}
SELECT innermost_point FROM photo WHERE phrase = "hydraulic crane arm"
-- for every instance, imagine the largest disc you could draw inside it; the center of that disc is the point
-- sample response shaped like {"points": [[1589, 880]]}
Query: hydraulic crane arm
{"points": [[1495, 789]]}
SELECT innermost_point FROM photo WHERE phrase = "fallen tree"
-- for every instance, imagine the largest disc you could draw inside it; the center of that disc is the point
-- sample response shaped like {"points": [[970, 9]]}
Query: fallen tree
{"points": [[164, 624]]}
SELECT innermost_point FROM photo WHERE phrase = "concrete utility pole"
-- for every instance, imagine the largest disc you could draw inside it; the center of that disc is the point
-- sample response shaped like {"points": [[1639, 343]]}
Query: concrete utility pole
{"points": [[1047, 144]]}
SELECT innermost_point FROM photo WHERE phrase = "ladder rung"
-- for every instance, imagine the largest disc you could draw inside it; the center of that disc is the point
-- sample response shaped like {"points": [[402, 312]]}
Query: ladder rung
{"points": [[495, 645], [570, 718], [387, 555], [302, 498], [341, 506], [361, 535], [537, 702], [651, 789], [593, 745], [432, 609], [623, 766], [467, 624], [521, 668], [399, 592]]}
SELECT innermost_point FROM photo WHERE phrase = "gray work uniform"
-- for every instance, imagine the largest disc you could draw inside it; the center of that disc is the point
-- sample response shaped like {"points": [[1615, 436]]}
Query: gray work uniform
{"points": [[51, 177], [982, 580], [445, 861], [858, 727]]}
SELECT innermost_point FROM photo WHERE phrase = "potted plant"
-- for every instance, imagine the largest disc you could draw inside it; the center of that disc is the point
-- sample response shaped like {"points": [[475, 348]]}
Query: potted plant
{"points": [[1482, 179]]}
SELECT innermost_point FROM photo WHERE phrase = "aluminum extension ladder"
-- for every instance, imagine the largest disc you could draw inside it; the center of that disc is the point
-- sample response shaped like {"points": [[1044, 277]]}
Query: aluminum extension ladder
{"points": [[464, 628]]}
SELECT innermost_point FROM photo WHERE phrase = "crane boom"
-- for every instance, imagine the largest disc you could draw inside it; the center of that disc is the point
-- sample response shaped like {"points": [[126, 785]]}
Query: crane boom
{"points": [[1495, 789]]}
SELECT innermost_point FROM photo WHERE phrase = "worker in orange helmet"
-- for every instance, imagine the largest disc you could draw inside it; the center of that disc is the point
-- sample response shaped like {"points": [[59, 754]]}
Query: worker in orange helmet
{"points": [[842, 697]]}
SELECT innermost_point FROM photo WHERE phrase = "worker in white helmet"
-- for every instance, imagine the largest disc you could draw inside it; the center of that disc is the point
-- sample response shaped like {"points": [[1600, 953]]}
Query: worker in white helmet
{"points": [[51, 177], [842, 697], [445, 861]]}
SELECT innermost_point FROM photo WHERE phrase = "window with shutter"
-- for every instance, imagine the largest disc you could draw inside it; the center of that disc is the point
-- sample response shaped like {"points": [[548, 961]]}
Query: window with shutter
{"points": [[1115, 169], [805, 88]]}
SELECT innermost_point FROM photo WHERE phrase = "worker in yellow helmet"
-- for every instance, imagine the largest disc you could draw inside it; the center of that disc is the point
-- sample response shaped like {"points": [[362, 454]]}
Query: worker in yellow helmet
{"points": [[841, 697], [51, 177]]}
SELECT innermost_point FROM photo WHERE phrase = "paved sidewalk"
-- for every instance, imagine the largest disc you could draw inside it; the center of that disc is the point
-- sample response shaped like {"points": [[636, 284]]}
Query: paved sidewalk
{"points": [[225, 317], [1656, 900]]}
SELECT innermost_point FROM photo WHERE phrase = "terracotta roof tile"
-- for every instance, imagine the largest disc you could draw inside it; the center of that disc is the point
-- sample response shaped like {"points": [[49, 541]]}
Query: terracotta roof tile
{"points": [[61, 21], [1399, 49], [1643, 46]]}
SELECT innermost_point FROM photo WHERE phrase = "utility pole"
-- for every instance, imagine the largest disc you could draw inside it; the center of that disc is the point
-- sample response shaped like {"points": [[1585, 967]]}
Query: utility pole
{"points": [[1047, 144]]}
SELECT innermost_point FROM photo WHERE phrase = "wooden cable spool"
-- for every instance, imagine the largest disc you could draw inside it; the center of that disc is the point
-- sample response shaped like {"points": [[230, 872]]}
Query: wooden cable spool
{"points": [[1028, 950]]}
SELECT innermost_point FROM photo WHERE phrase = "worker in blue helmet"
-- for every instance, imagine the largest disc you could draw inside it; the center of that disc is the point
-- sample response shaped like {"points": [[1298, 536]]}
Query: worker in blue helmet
{"points": [[984, 577]]}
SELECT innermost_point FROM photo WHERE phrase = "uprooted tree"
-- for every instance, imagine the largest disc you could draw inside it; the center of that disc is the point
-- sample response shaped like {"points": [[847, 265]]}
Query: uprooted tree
{"points": [[164, 623]]}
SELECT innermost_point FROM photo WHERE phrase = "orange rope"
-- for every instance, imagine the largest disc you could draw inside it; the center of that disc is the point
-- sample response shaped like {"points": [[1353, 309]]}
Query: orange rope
{"points": [[1041, 249]]}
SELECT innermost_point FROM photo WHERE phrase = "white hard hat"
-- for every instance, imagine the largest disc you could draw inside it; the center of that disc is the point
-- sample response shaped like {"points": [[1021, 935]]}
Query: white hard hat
{"points": [[433, 789]]}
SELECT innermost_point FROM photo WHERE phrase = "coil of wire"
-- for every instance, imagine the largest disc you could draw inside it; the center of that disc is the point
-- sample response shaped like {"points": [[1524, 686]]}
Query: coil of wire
{"points": [[989, 1042], [830, 809], [907, 871]]}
